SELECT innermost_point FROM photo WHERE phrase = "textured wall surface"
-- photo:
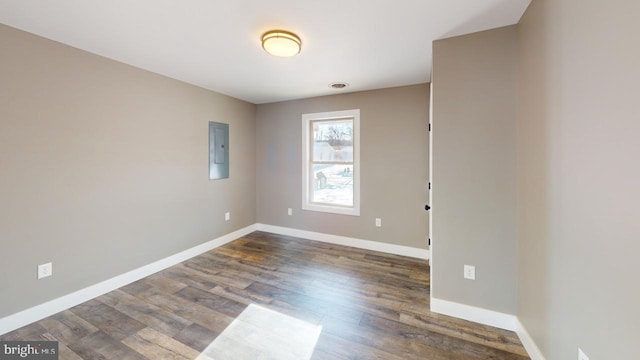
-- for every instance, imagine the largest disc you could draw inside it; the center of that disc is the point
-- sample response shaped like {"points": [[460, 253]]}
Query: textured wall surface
{"points": [[578, 194], [474, 169], [394, 165], [104, 168]]}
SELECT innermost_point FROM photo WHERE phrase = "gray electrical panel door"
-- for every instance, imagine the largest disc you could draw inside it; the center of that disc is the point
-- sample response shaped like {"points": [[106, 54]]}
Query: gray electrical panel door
{"points": [[218, 150]]}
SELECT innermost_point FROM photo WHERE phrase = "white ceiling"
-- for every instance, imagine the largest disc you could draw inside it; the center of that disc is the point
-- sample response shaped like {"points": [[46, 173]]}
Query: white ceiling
{"points": [[215, 44]]}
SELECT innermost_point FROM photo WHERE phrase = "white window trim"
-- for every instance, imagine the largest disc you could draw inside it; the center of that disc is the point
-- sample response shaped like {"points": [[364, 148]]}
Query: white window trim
{"points": [[306, 178]]}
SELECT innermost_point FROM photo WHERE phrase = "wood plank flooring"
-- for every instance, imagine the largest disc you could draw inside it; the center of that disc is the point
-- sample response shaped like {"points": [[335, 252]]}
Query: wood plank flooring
{"points": [[370, 305]]}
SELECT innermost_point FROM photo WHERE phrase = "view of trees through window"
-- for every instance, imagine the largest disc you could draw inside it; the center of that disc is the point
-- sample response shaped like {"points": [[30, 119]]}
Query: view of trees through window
{"points": [[332, 162]]}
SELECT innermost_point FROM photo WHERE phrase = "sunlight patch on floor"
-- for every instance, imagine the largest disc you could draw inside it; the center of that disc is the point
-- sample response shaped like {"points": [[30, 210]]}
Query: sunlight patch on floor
{"points": [[260, 333]]}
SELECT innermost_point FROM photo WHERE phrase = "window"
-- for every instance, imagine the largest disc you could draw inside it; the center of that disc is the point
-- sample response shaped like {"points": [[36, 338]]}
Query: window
{"points": [[331, 162]]}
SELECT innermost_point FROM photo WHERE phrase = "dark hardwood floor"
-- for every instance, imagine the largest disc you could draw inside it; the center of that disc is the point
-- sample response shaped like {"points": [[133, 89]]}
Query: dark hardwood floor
{"points": [[370, 305]]}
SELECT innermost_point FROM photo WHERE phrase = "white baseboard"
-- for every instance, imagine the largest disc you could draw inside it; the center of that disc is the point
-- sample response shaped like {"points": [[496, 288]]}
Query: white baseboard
{"points": [[528, 343], [347, 241], [475, 314], [491, 318], [54, 306]]}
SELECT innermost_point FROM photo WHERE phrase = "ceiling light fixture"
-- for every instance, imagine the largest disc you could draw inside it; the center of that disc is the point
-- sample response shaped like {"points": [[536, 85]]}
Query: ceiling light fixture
{"points": [[281, 43]]}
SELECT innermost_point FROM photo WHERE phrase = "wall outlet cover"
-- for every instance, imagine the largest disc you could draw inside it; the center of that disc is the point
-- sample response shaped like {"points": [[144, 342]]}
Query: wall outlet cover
{"points": [[582, 355], [45, 270], [289, 211], [378, 222], [227, 216], [470, 272]]}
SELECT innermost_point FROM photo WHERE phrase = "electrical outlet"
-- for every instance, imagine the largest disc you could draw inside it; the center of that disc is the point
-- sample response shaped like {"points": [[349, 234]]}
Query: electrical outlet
{"points": [[45, 270], [470, 272], [227, 216], [582, 355], [289, 211], [378, 222]]}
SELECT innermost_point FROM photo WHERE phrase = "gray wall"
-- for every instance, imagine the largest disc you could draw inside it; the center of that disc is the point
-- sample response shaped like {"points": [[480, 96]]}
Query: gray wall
{"points": [[579, 176], [394, 165], [474, 169], [104, 168]]}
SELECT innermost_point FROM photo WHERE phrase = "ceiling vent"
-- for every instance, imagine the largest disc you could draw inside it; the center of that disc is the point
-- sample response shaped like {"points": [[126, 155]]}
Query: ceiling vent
{"points": [[338, 85]]}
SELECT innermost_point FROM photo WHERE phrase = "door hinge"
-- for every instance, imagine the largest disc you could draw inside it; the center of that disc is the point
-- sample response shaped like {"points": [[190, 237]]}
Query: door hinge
{"points": [[429, 126], [429, 185]]}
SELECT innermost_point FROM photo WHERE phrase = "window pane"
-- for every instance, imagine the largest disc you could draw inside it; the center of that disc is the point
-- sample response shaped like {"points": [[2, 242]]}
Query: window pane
{"points": [[333, 140], [332, 184]]}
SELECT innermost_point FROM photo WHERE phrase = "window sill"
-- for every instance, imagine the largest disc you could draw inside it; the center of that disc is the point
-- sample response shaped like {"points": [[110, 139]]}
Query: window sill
{"points": [[332, 209]]}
